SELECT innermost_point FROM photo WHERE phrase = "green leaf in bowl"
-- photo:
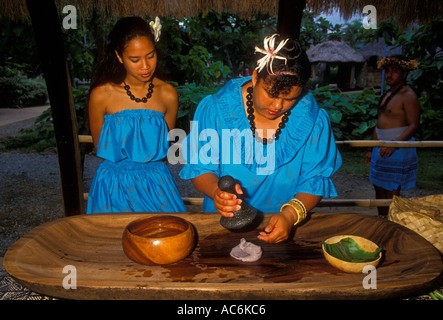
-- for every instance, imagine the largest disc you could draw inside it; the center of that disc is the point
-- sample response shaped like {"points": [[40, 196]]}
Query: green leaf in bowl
{"points": [[349, 250]]}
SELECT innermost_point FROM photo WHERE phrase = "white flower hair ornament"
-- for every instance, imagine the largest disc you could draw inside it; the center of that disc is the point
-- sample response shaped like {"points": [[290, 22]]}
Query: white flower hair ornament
{"points": [[156, 28], [270, 53]]}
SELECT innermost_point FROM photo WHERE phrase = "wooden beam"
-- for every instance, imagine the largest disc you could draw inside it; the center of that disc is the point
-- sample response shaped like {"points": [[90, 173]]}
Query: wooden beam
{"points": [[48, 35], [352, 143], [395, 144], [290, 13]]}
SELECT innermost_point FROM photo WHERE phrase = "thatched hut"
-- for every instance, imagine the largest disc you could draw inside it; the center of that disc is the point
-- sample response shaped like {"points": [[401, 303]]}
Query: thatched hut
{"points": [[335, 53]]}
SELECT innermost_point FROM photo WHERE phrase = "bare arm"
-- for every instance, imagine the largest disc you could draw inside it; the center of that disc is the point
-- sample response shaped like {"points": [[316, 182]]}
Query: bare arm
{"points": [[96, 113], [412, 111], [170, 98]]}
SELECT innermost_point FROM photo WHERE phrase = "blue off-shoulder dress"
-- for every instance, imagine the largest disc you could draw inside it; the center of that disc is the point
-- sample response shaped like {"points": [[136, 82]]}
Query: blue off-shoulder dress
{"points": [[302, 160], [133, 177]]}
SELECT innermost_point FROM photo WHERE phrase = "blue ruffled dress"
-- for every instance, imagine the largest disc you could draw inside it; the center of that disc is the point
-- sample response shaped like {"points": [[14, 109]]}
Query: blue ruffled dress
{"points": [[302, 160], [133, 177]]}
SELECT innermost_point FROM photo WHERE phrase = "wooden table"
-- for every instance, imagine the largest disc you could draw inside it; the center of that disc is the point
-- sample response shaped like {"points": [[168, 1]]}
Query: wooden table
{"points": [[292, 270]]}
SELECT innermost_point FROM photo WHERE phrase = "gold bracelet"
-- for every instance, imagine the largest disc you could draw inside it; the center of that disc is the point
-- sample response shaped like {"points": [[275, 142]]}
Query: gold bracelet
{"points": [[299, 208]]}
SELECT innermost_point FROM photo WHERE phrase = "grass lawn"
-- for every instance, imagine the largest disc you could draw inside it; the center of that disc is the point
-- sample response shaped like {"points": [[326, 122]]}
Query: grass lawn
{"points": [[430, 168]]}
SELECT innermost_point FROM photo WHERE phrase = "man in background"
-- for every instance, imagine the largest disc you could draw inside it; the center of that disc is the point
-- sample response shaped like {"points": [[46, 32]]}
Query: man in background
{"points": [[394, 169]]}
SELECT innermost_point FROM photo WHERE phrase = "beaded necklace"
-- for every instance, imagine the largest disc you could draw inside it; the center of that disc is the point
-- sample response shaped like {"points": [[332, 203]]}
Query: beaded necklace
{"points": [[383, 107], [251, 117], [144, 99]]}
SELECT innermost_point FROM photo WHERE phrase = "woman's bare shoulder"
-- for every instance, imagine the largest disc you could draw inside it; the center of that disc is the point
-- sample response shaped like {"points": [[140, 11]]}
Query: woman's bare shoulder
{"points": [[103, 92], [167, 91], [104, 89], [164, 86]]}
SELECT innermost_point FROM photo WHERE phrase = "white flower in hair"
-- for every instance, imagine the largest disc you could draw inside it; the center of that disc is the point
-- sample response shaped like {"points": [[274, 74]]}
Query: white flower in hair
{"points": [[156, 28], [270, 53]]}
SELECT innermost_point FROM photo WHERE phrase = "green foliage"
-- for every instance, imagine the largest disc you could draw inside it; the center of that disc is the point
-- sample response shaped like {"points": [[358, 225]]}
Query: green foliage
{"points": [[356, 36], [388, 30], [201, 68], [17, 45], [349, 250], [189, 96], [18, 89], [229, 38], [80, 53], [425, 45], [353, 116], [317, 29], [430, 170], [210, 47]]}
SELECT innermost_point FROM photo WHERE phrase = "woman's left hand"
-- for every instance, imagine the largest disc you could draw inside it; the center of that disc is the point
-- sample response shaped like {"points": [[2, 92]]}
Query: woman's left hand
{"points": [[278, 228]]}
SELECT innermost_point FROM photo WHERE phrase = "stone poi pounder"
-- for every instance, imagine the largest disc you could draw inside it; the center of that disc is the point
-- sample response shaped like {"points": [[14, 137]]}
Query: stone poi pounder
{"points": [[242, 217]]}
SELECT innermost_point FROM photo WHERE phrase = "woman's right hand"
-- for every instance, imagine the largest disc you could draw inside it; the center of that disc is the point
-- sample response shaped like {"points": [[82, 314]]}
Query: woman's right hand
{"points": [[226, 203]]}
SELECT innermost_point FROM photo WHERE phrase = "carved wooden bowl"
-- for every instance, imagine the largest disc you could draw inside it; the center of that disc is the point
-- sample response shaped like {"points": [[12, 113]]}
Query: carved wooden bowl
{"points": [[158, 239], [352, 267]]}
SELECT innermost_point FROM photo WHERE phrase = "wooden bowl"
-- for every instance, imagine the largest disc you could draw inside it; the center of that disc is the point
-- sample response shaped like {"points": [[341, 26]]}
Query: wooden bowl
{"points": [[158, 239], [351, 267]]}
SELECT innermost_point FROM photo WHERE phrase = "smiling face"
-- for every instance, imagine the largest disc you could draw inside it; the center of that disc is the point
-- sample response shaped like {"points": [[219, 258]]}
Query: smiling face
{"points": [[139, 59], [271, 105]]}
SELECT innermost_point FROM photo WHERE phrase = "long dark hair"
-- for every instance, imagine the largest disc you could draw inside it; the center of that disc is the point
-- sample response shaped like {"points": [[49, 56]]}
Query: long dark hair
{"points": [[295, 71], [109, 69]]}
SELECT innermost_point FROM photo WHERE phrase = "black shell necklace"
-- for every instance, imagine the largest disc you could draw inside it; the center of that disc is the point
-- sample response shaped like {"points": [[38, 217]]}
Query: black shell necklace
{"points": [[144, 99], [383, 106], [251, 117]]}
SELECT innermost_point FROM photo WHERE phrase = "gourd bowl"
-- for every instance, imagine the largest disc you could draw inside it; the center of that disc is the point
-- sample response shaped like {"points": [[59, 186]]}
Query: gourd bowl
{"points": [[351, 267], [161, 239]]}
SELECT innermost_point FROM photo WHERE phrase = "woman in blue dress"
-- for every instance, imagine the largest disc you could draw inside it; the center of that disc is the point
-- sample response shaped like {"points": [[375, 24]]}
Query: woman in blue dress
{"points": [[268, 133], [131, 112]]}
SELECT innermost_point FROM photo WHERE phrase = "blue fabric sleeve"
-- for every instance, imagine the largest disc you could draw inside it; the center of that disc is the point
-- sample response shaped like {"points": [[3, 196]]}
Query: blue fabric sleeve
{"points": [[320, 161], [201, 147]]}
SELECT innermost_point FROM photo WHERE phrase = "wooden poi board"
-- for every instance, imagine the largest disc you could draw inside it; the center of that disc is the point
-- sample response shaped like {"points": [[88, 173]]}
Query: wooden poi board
{"points": [[91, 246]]}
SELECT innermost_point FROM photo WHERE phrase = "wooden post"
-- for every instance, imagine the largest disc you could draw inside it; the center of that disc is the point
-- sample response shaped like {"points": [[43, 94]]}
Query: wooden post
{"points": [[48, 35], [290, 13]]}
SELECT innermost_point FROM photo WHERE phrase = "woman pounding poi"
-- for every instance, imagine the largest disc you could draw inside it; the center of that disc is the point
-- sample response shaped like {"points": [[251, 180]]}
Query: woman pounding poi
{"points": [[269, 117], [130, 114]]}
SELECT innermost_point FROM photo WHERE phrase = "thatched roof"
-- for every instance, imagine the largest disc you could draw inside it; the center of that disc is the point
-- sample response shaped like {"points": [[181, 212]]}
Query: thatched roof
{"points": [[333, 52], [403, 11], [377, 49]]}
